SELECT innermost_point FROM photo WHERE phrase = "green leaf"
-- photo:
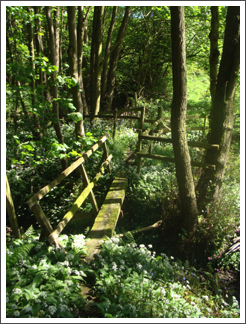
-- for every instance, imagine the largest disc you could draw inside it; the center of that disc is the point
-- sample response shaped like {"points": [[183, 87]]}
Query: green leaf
{"points": [[75, 116], [38, 279]]}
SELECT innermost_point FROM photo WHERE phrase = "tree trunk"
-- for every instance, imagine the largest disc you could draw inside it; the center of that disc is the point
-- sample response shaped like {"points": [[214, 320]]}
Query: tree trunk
{"points": [[115, 54], [214, 52], [56, 32], [73, 65], [53, 61], [107, 53], [96, 60], [178, 122], [80, 35], [222, 111], [33, 86], [39, 51]]}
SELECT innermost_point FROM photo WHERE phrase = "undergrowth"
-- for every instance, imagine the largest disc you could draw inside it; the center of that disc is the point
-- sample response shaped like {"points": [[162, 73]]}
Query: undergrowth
{"points": [[127, 281]]}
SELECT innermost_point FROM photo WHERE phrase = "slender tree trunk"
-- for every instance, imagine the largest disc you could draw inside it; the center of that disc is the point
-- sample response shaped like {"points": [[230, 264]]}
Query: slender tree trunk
{"points": [[96, 59], [184, 176], [85, 66], [60, 40], [107, 53], [57, 35], [54, 89], [115, 54], [214, 52], [222, 111], [39, 51], [73, 64], [80, 41], [33, 86]]}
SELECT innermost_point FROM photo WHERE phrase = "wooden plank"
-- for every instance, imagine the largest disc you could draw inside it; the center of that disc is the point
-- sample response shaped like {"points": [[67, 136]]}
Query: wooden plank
{"points": [[171, 159], [107, 218], [195, 116], [204, 145], [129, 110], [129, 117], [74, 208], [11, 211], [157, 122], [148, 228], [42, 192], [190, 143]]}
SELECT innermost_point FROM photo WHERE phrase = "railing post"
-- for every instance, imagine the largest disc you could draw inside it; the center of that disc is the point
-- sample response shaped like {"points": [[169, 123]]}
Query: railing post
{"points": [[159, 116], [115, 120], [141, 126], [151, 142], [11, 211], [91, 195], [204, 126], [136, 98]]}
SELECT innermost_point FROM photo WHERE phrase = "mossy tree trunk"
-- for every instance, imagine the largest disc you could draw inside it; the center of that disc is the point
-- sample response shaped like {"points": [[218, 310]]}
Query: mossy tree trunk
{"points": [[114, 59], [80, 41], [96, 59], [222, 111], [107, 53], [214, 52], [54, 88], [73, 65], [184, 176]]}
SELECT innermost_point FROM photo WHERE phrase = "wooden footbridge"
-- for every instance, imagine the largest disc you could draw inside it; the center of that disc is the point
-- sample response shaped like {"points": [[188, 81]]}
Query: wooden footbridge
{"points": [[105, 218]]}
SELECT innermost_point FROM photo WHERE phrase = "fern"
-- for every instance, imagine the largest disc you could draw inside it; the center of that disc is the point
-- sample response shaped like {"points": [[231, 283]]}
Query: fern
{"points": [[129, 238], [21, 248], [19, 253], [29, 232]]}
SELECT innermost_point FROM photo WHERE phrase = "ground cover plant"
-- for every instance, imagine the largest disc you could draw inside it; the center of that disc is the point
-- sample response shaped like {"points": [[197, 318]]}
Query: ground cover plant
{"points": [[127, 280], [44, 281], [162, 272], [187, 289]]}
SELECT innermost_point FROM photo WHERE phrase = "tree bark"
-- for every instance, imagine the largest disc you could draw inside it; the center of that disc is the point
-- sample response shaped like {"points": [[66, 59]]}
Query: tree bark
{"points": [[222, 111], [39, 131], [184, 176], [214, 52], [115, 54], [73, 65], [54, 89], [107, 53], [96, 59], [80, 35]]}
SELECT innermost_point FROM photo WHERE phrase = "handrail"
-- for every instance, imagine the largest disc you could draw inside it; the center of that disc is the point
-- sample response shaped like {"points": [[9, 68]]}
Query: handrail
{"points": [[42, 192], [34, 205], [76, 205]]}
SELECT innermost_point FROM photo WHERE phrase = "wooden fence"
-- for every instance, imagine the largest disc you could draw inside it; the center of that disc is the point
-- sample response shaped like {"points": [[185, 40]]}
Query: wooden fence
{"points": [[33, 202], [163, 128]]}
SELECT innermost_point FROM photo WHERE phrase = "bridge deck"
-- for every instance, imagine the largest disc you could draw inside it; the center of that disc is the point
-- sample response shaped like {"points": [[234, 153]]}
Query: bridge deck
{"points": [[108, 215]]}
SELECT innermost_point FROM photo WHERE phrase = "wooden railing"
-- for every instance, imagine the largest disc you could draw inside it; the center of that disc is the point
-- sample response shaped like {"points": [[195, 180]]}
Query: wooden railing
{"points": [[163, 128], [33, 202], [116, 114]]}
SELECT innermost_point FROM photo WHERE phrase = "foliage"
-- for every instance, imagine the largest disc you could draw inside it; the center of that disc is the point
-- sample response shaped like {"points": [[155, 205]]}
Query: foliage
{"points": [[44, 281], [131, 281], [128, 280]]}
